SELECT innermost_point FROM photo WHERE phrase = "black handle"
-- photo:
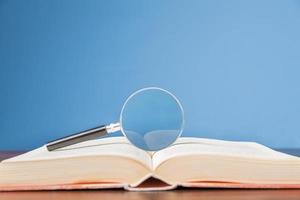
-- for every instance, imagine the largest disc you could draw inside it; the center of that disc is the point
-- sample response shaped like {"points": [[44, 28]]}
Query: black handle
{"points": [[76, 138]]}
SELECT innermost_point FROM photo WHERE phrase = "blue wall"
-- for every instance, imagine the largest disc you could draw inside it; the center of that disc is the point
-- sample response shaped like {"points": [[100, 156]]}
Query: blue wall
{"points": [[69, 65]]}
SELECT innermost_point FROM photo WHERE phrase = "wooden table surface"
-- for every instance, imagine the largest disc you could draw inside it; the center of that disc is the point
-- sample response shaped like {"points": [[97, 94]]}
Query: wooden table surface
{"points": [[182, 194]]}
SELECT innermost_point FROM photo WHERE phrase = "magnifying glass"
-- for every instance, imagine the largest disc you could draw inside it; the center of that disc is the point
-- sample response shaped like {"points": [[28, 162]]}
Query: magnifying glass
{"points": [[151, 119]]}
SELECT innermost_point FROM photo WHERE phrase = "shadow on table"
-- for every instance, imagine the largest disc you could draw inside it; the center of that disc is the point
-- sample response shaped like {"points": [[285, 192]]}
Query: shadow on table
{"points": [[182, 194]]}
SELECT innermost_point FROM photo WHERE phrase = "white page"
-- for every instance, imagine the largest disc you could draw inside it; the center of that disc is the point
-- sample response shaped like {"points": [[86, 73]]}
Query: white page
{"points": [[112, 146], [200, 146]]}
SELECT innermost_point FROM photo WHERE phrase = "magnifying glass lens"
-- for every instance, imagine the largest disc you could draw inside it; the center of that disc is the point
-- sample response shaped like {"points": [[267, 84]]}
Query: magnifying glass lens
{"points": [[152, 119]]}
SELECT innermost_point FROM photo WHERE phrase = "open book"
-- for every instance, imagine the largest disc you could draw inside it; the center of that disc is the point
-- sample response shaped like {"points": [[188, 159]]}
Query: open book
{"points": [[115, 163]]}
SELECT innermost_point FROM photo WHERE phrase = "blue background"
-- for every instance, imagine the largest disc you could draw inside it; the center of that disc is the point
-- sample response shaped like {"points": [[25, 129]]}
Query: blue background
{"points": [[69, 65]]}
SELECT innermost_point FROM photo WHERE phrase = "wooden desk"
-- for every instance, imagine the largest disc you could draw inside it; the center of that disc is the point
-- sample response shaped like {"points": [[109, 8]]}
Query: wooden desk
{"points": [[182, 194]]}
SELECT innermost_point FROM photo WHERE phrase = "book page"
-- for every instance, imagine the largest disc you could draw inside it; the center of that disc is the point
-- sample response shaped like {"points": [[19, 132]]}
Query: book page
{"points": [[111, 146], [200, 146]]}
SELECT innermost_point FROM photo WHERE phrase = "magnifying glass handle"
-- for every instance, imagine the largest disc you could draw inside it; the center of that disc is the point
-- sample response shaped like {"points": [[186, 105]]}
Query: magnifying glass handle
{"points": [[83, 136]]}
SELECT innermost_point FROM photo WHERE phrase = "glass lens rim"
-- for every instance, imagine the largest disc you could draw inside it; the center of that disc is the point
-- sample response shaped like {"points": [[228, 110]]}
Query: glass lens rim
{"points": [[153, 88]]}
